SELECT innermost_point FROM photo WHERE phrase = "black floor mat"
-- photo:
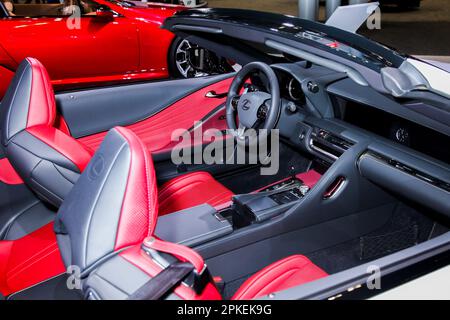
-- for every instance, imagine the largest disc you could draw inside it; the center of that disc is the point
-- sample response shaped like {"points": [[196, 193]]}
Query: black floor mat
{"points": [[337, 258], [372, 247], [348, 254], [406, 228]]}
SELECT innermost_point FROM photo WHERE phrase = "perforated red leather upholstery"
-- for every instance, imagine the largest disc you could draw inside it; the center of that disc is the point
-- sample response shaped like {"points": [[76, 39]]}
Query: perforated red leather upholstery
{"points": [[192, 190], [289, 272], [114, 206], [29, 260], [292, 271], [140, 202]]}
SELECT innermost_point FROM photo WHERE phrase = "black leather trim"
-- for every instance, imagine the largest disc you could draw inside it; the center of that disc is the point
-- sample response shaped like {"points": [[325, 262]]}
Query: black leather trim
{"points": [[51, 289], [16, 200], [87, 221], [39, 149], [49, 174], [29, 220], [16, 102], [115, 279]]}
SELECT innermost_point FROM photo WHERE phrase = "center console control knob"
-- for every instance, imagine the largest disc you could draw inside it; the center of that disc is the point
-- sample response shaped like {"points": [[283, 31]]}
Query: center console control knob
{"points": [[313, 87], [291, 107], [304, 189]]}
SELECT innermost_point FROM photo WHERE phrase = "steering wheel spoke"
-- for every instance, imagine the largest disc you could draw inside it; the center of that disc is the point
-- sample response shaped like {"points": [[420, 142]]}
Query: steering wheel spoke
{"points": [[240, 133], [235, 101]]}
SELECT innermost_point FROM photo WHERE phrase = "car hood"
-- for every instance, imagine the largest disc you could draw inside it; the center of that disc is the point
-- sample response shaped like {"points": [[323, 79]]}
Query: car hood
{"points": [[440, 62], [152, 11]]}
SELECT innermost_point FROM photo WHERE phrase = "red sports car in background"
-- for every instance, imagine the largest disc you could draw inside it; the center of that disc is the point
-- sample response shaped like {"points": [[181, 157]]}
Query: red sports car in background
{"points": [[103, 42]]}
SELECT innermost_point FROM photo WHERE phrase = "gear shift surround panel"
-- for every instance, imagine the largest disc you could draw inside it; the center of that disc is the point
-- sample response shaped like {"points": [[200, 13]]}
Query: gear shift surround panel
{"points": [[267, 203]]}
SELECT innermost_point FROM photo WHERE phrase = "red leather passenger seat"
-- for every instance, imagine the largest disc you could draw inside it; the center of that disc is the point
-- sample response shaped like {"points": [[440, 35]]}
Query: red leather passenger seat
{"points": [[49, 160], [286, 273], [29, 260], [107, 221], [192, 190], [146, 260]]}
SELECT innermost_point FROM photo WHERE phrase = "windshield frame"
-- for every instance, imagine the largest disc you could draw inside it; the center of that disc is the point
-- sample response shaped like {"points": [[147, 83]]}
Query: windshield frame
{"points": [[288, 28]]}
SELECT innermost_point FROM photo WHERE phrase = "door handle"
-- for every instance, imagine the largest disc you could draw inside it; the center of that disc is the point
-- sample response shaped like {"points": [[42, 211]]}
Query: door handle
{"points": [[213, 94], [334, 188]]}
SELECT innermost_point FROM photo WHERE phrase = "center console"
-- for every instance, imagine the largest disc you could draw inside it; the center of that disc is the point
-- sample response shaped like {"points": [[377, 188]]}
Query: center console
{"points": [[193, 226], [197, 225], [266, 203]]}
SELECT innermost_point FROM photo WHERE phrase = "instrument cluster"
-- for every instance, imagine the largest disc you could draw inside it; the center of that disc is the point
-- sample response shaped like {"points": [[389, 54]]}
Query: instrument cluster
{"points": [[291, 89]]}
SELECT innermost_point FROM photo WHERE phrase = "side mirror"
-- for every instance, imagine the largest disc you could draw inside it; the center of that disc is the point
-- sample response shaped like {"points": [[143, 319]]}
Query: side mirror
{"points": [[104, 13]]}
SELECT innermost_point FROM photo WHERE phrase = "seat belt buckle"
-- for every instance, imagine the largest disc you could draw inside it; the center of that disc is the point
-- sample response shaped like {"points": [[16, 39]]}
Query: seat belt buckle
{"points": [[198, 281]]}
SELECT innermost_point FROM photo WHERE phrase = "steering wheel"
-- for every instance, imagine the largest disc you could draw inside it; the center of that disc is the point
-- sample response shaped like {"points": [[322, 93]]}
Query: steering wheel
{"points": [[255, 110]]}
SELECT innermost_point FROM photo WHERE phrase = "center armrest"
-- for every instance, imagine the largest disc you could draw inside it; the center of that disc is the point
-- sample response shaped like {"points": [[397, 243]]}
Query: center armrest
{"points": [[192, 227]]}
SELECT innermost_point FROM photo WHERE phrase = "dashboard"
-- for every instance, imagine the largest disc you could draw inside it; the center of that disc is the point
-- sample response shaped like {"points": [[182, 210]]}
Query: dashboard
{"points": [[304, 86], [398, 130], [399, 149]]}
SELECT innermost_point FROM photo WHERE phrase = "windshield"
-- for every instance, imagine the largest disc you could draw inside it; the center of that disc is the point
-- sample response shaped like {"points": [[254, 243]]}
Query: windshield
{"points": [[339, 42], [340, 48]]}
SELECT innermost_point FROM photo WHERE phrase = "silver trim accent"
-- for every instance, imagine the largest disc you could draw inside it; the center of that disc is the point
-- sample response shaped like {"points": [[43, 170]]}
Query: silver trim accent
{"points": [[337, 191], [213, 94], [352, 73], [290, 88], [321, 151]]}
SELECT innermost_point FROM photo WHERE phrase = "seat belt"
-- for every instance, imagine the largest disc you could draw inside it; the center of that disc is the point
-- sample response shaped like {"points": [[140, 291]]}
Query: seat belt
{"points": [[163, 282]]}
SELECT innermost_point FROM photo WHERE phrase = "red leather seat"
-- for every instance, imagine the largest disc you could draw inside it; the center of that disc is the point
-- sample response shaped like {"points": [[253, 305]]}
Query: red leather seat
{"points": [[192, 190], [146, 258], [286, 273], [29, 260], [107, 220], [49, 160]]}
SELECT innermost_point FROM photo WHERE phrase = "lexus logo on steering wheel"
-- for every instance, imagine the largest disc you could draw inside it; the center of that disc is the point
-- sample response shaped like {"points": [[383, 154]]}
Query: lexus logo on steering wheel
{"points": [[246, 104]]}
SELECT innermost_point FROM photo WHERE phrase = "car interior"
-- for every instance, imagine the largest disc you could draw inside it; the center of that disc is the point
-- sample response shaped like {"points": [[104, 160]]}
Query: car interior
{"points": [[358, 179]]}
